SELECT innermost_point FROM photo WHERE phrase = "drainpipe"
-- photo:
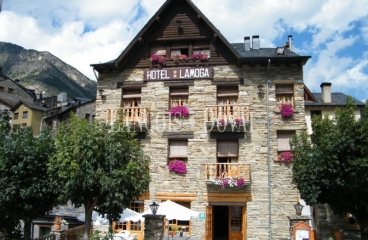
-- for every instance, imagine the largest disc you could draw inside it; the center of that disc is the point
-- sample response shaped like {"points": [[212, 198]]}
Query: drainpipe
{"points": [[268, 156]]}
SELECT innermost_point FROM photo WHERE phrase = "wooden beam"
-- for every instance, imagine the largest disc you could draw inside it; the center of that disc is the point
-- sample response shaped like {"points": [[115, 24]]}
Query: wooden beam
{"points": [[184, 197], [227, 197]]}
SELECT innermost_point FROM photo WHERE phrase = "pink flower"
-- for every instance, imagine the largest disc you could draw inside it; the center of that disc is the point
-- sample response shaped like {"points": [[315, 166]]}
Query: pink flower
{"points": [[177, 167], [179, 111], [287, 157], [286, 110]]}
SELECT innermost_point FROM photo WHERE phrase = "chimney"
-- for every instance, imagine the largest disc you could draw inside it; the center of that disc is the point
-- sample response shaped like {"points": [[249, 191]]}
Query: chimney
{"points": [[326, 92], [247, 43], [290, 37], [255, 42]]}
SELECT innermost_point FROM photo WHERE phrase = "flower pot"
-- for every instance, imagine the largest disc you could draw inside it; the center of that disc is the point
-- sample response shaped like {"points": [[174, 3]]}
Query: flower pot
{"points": [[339, 235], [57, 226]]}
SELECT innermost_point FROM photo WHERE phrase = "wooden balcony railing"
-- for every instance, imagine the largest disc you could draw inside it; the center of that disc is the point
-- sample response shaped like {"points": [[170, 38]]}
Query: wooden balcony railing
{"points": [[227, 112], [228, 169], [133, 116]]}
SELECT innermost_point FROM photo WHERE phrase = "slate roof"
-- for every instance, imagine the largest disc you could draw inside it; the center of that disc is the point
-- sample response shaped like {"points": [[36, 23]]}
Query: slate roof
{"points": [[30, 105], [261, 52], [337, 99]]}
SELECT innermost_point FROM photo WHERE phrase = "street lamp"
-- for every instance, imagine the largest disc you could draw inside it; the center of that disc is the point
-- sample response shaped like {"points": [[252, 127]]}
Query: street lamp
{"points": [[154, 207], [298, 208]]}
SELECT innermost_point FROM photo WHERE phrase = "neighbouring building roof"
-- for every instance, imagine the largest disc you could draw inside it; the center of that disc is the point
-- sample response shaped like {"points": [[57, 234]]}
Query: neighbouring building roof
{"points": [[31, 105], [337, 99]]}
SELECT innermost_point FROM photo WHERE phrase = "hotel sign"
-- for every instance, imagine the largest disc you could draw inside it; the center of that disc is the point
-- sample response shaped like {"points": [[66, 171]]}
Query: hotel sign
{"points": [[178, 73]]}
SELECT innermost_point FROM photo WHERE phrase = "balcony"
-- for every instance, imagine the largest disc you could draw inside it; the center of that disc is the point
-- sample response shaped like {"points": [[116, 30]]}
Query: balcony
{"points": [[227, 118], [136, 118], [228, 170]]}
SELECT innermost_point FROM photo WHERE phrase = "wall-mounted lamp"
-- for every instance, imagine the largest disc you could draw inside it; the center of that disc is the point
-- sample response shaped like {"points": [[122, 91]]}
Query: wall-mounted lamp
{"points": [[178, 22], [260, 88], [298, 208], [154, 208], [101, 91]]}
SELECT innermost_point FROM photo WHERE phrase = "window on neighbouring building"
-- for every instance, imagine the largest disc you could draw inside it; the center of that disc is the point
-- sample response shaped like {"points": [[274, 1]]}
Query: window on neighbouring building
{"points": [[315, 113], [178, 97], [25, 114], [10, 90], [284, 94], [16, 115], [283, 138], [87, 116], [1, 89], [24, 125], [178, 149], [227, 153]]}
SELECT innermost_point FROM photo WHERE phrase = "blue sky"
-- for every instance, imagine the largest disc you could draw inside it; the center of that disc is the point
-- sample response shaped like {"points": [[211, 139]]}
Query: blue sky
{"points": [[80, 32]]}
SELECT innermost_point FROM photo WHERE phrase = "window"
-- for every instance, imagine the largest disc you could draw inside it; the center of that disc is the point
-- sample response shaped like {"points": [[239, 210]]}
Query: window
{"points": [[285, 94], [1, 89], [350, 221], [227, 153], [87, 116], [16, 115], [227, 98], [158, 50], [137, 206], [25, 114], [24, 125], [131, 103], [178, 149], [10, 90], [283, 138], [178, 97], [315, 113]]}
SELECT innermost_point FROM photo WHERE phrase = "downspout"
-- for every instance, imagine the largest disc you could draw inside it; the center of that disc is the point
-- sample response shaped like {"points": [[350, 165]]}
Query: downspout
{"points": [[268, 155]]}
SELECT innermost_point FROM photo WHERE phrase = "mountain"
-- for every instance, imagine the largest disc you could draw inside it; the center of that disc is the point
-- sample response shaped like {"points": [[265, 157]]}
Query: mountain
{"points": [[43, 71]]}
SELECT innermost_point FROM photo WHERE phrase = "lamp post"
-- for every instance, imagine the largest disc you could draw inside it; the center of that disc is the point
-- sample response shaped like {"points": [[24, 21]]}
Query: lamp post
{"points": [[298, 208], [154, 207]]}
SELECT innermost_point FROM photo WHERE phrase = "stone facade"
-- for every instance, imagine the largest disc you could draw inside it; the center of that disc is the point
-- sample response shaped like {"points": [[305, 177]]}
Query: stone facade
{"points": [[253, 147]]}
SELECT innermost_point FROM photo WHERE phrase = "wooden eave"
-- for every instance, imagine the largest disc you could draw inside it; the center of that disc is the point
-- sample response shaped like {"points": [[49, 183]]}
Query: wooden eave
{"points": [[308, 94], [276, 61], [139, 38]]}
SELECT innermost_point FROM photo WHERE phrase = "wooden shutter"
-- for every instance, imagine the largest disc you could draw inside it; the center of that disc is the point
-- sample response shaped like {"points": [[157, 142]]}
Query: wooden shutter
{"points": [[178, 149], [284, 88], [283, 138], [209, 222], [225, 91], [227, 148]]}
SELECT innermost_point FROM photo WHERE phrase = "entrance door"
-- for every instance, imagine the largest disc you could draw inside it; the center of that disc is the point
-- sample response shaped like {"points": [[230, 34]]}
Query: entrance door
{"points": [[228, 223], [236, 223]]}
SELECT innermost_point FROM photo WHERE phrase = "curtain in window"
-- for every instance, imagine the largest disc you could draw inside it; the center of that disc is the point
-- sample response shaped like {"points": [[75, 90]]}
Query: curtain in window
{"points": [[227, 148], [178, 149]]}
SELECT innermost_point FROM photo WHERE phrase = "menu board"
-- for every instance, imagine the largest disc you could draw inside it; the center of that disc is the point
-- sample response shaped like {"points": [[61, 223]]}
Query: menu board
{"points": [[302, 234]]}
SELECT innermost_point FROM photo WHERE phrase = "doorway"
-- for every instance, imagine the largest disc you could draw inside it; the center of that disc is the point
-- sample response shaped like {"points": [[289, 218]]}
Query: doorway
{"points": [[226, 222]]}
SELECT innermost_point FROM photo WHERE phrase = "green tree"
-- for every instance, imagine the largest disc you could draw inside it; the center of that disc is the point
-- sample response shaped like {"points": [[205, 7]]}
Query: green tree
{"points": [[333, 169], [99, 166], [25, 190]]}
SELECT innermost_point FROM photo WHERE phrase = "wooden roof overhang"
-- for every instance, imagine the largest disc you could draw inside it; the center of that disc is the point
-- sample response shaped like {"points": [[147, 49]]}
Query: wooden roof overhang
{"points": [[118, 64]]}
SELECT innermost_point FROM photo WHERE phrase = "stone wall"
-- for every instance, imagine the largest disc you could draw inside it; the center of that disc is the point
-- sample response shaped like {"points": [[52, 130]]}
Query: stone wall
{"points": [[253, 147]]}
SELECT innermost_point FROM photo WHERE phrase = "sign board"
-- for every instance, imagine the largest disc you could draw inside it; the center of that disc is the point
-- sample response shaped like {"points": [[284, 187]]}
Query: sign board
{"points": [[301, 231], [202, 216], [178, 73]]}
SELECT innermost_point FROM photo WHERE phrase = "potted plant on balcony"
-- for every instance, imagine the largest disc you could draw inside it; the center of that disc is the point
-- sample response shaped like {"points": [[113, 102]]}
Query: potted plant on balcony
{"points": [[286, 157], [58, 221], [177, 166], [157, 59], [229, 181], [180, 58], [286, 110], [200, 56], [179, 111]]}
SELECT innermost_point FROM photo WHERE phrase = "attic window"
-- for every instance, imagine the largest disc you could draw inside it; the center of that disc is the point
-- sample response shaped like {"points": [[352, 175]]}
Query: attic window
{"points": [[10, 90], [280, 50], [1, 89]]}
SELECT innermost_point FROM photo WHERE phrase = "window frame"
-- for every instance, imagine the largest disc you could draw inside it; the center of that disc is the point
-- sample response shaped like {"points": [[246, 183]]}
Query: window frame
{"points": [[183, 148], [15, 116], [182, 95], [25, 115], [284, 92], [282, 139]]}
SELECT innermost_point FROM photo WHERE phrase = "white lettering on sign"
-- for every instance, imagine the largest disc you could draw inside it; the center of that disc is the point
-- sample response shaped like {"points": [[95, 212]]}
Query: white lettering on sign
{"points": [[157, 74], [194, 73]]}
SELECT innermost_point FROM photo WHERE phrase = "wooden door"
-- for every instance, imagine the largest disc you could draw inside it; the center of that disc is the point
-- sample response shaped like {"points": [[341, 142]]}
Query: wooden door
{"points": [[236, 223], [244, 230], [209, 223]]}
